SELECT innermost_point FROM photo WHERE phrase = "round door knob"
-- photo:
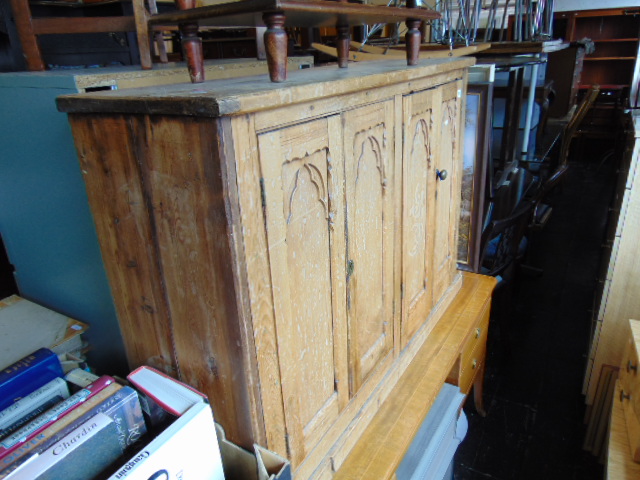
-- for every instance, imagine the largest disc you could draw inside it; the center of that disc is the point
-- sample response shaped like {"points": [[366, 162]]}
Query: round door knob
{"points": [[441, 174]]}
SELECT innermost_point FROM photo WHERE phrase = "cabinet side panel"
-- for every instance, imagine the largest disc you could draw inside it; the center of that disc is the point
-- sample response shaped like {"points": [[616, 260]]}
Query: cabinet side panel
{"points": [[182, 169], [106, 148]]}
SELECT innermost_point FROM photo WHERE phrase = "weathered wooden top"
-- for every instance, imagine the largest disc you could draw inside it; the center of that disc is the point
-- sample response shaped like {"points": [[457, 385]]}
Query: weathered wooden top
{"points": [[248, 94], [299, 13]]}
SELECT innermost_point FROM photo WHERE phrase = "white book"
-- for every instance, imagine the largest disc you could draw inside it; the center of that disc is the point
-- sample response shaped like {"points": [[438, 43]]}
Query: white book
{"points": [[55, 388], [83, 453], [187, 449]]}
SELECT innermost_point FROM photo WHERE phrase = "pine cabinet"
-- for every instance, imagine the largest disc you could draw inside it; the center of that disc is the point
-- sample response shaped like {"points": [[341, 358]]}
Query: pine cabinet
{"points": [[285, 248]]}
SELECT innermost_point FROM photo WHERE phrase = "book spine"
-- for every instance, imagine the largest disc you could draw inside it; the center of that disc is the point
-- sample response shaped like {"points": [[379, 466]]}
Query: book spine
{"points": [[31, 415], [55, 461], [31, 430], [27, 375], [123, 407], [55, 388]]}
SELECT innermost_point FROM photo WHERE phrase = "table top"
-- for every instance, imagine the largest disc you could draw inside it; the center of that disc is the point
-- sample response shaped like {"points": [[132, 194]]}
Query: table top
{"points": [[299, 13]]}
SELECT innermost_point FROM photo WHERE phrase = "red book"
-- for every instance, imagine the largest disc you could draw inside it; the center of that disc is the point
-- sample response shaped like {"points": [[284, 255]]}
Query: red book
{"points": [[40, 423], [172, 395]]}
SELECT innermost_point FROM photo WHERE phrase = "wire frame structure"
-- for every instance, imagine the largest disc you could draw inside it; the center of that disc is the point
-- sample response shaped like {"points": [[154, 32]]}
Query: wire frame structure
{"points": [[461, 19]]}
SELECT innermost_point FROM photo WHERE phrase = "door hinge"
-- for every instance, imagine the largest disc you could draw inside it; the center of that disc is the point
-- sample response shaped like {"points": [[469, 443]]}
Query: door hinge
{"points": [[263, 196], [288, 445]]}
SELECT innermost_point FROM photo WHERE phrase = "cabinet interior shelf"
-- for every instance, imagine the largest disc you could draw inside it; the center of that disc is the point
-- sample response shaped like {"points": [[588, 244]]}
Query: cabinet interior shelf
{"points": [[599, 59], [614, 40]]}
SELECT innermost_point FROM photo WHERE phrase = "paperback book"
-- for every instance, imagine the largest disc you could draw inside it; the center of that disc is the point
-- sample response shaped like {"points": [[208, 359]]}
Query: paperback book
{"points": [[82, 454]]}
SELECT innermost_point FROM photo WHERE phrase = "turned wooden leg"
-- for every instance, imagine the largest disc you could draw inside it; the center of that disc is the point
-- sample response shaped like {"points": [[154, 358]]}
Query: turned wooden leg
{"points": [[478, 385], [192, 47], [413, 39], [275, 43], [342, 44]]}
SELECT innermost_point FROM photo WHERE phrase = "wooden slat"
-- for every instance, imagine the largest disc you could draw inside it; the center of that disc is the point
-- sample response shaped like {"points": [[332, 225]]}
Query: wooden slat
{"points": [[383, 445], [299, 13], [52, 25], [426, 50], [25, 28]]}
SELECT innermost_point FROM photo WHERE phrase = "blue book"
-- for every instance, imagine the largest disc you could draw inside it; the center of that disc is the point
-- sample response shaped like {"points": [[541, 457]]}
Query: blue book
{"points": [[27, 375]]}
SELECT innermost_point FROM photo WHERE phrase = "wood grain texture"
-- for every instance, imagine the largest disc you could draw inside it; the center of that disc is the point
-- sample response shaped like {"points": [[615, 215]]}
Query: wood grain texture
{"points": [[218, 98], [421, 111], [27, 35], [107, 150], [277, 236], [620, 465], [296, 164], [253, 237], [299, 13], [370, 161], [275, 43], [619, 303], [384, 443], [444, 204], [181, 168]]}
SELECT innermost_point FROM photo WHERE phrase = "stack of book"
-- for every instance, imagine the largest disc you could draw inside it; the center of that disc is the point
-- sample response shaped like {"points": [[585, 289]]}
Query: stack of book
{"points": [[82, 426], [26, 326], [58, 421]]}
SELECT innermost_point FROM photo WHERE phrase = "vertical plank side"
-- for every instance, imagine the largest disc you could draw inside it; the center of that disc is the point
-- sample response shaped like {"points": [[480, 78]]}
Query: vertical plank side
{"points": [[622, 302], [272, 155], [338, 259], [105, 147], [238, 259], [399, 125], [181, 166], [259, 288]]}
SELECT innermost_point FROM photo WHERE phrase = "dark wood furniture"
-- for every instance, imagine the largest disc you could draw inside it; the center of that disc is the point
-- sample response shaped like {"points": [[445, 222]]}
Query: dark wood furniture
{"points": [[616, 35], [30, 27], [564, 68], [278, 14]]}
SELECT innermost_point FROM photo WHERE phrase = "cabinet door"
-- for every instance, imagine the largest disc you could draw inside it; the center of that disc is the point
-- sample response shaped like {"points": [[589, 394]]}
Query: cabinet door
{"points": [[369, 151], [445, 202], [301, 168], [421, 115]]}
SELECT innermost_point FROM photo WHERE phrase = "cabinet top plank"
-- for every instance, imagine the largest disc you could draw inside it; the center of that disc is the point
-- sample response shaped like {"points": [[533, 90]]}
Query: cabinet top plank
{"points": [[250, 94]]}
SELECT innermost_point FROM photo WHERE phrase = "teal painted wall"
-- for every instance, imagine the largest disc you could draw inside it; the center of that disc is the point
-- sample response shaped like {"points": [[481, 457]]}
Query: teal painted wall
{"points": [[45, 219]]}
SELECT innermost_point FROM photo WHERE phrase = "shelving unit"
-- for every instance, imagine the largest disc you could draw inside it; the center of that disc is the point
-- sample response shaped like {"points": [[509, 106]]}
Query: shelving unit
{"points": [[615, 33]]}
